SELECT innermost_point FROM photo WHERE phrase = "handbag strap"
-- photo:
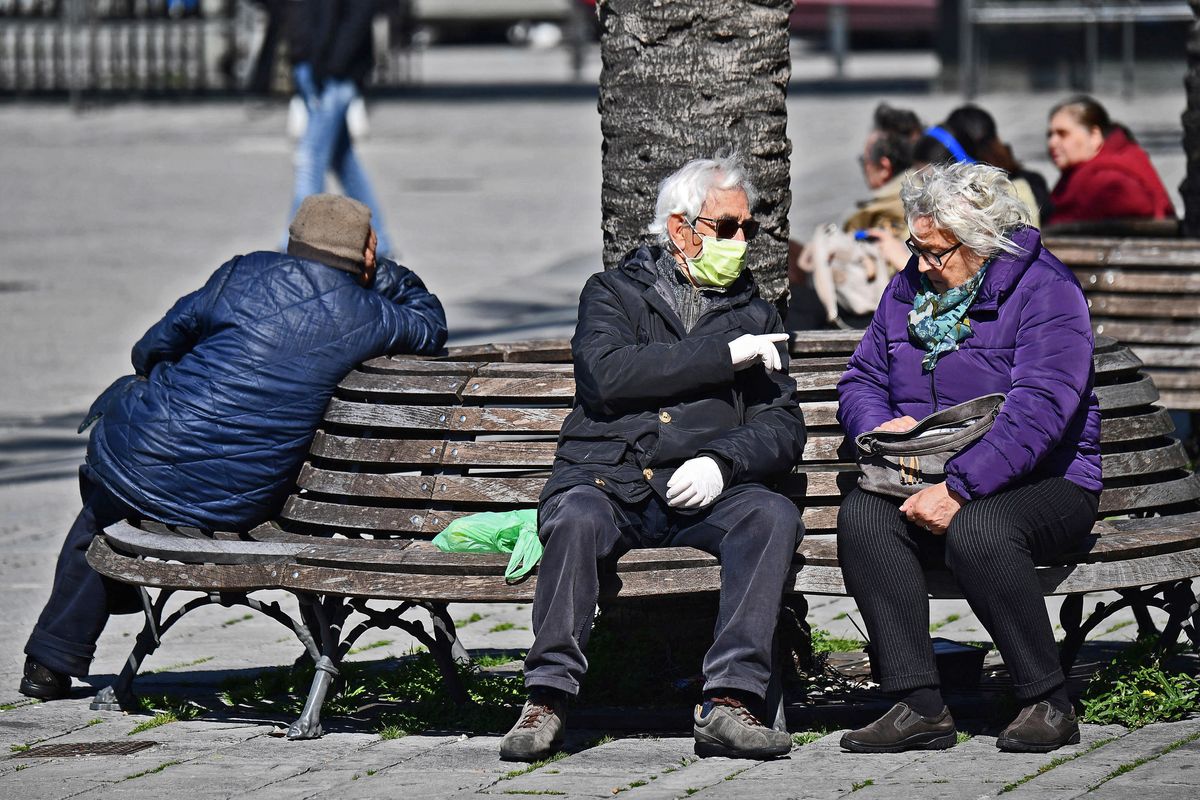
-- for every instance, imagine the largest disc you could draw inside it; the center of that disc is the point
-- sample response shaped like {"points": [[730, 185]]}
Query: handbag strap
{"points": [[980, 412]]}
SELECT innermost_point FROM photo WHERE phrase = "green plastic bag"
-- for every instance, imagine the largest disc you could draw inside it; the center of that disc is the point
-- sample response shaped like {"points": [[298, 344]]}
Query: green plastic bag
{"points": [[496, 532]]}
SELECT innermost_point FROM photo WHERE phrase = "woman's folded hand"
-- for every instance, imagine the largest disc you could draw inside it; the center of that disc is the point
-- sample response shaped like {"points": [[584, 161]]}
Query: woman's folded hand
{"points": [[898, 425], [932, 508]]}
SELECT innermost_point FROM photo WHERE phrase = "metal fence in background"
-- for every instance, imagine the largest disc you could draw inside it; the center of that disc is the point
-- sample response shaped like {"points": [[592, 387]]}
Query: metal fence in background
{"points": [[147, 46]]}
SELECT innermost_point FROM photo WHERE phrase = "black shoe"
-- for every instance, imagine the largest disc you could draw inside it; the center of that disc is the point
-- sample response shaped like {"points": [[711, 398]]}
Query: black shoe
{"points": [[1039, 728], [43, 682], [902, 729]]}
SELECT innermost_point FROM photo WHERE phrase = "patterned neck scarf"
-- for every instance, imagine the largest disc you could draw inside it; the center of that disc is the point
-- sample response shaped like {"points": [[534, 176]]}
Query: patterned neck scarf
{"points": [[939, 321]]}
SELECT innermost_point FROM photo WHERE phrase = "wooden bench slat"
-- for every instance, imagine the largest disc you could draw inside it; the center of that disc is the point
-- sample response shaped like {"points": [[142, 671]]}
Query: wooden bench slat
{"points": [[1139, 426], [1161, 356], [208, 550], [459, 419], [1175, 380], [336, 517], [1137, 281], [1140, 392], [418, 365], [1152, 306], [539, 389], [1120, 500], [1170, 456], [1142, 331], [391, 384]]}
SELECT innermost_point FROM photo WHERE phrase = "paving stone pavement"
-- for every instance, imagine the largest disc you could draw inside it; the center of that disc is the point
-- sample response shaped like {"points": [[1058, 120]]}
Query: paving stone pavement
{"points": [[106, 218]]}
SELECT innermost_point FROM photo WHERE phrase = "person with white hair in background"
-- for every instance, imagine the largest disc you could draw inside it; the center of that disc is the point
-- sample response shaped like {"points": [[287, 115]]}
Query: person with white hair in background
{"points": [[982, 307], [684, 411]]}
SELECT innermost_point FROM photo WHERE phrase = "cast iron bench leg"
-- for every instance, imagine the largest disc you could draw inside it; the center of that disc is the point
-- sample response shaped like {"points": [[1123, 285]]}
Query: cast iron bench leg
{"points": [[119, 696], [308, 726]]}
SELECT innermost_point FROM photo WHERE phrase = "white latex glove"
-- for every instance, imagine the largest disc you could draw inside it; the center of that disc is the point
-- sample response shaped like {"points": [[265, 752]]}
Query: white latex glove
{"points": [[750, 349], [695, 484]]}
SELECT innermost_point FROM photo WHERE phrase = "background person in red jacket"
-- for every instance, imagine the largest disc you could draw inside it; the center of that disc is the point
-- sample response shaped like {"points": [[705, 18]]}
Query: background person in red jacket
{"points": [[1105, 174]]}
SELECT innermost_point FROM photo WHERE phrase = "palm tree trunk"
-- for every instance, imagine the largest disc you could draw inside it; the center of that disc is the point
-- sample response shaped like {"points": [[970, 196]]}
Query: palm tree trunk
{"points": [[1190, 188], [682, 80]]}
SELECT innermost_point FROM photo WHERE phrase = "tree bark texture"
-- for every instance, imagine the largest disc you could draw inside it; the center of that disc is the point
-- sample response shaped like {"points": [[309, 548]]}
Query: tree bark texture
{"points": [[682, 80], [1190, 188]]}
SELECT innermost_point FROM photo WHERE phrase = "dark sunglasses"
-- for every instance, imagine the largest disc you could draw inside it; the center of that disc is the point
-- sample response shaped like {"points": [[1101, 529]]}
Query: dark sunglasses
{"points": [[727, 227], [930, 257]]}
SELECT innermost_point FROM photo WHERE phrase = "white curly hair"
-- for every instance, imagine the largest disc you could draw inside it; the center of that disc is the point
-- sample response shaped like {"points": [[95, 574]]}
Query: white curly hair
{"points": [[975, 203], [685, 190]]}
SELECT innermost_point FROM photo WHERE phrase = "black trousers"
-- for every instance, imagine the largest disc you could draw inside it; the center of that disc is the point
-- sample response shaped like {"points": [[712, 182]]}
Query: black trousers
{"points": [[991, 547], [81, 600], [753, 531]]}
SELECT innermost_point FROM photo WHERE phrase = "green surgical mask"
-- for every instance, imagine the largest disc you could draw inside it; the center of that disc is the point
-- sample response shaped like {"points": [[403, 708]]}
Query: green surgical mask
{"points": [[719, 261]]}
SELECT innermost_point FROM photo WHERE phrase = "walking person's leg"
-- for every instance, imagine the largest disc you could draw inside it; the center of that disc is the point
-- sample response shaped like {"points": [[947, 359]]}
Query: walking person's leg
{"points": [[992, 546], [880, 557], [754, 533], [314, 151], [63, 641], [579, 528]]}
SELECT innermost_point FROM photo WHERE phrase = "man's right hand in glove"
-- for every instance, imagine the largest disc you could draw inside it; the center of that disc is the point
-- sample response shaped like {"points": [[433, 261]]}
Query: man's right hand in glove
{"points": [[750, 349]]}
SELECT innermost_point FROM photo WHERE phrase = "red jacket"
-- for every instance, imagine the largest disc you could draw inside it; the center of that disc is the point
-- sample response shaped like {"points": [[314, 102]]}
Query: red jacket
{"points": [[1119, 183]]}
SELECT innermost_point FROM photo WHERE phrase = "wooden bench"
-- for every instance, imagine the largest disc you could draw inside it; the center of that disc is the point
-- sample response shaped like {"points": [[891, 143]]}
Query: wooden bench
{"points": [[1145, 292], [409, 444]]}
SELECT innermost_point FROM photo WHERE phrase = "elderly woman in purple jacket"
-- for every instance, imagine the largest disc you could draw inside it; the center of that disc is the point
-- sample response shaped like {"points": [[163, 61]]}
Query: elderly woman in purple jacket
{"points": [[981, 307]]}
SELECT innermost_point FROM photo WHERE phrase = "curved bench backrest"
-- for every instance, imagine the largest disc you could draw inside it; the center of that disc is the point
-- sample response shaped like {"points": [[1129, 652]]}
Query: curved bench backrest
{"points": [[409, 444]]}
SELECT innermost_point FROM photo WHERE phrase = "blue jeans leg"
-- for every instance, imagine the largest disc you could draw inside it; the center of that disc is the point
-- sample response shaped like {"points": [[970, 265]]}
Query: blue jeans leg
{"points": [[65, 636], [325, 146]]}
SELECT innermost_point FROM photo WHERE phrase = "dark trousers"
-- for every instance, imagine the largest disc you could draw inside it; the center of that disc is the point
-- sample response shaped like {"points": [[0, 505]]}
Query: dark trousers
{"points": [[753, 531], [81, 600], [991, 547]]}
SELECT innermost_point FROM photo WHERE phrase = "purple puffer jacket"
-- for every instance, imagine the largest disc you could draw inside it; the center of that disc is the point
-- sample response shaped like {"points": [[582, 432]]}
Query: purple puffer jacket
{"points": [[1033, 342]]}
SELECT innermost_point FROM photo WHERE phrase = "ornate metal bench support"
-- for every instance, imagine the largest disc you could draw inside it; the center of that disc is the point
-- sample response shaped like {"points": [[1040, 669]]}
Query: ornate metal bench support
{"points": [[327, 617], [120, 697], [1176, 598]]}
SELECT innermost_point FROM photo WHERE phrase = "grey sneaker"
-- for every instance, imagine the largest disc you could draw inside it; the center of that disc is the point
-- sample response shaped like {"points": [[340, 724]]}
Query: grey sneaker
{"points": [[538, 733], [730, 730], [902, 729], [1039, 728]]}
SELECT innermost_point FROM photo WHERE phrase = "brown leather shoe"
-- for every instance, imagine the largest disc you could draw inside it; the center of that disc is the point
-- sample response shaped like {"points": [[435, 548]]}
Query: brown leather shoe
{"points": [[1039, 728], [538, 733], [902, 729]]}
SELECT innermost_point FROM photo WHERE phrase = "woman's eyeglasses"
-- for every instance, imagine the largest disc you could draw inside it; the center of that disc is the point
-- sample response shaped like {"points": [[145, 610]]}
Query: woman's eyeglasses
{"points": [[928, 256], [727, 227]]}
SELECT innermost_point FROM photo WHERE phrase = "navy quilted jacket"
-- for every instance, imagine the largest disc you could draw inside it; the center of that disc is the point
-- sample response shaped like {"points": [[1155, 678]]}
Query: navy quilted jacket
{"points": [[233, 381], [1032, 342]]}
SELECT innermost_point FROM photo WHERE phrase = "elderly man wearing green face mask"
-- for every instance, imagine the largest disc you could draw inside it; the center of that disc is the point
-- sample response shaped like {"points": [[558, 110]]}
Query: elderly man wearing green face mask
{"points": [[684, 412]]}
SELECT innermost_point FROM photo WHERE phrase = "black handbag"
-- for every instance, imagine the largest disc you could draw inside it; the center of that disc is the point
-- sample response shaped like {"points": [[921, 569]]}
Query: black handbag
{"points": [[902, 464]]}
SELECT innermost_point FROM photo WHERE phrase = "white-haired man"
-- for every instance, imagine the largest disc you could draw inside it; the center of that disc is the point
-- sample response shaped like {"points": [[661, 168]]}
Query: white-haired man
{"points": [[684, 411]]}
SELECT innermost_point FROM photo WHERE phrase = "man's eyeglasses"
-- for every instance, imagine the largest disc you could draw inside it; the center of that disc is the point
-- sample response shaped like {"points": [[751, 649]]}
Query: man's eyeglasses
{"points": [[928, 256], [727, 227]]}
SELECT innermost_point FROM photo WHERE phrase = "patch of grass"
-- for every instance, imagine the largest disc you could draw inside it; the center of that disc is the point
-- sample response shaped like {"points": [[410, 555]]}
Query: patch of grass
{"points": [[476, 617], [500, 627], [808, 737], [183, 665], [494, 661], [393, 731], [516, 773], [1117, 627], [1132, 765], [962, 737], [95, 721], [636, 784], [823, 642], [840, 616], [933, 626], [166, 710], [1133, 690], [606, 739], [20, 767], [1056, 762], [236, 620], [532, 791], [690, 792], [371, 646], [862, 785], [735, 773], [19, 748], [159, 768], [370, 772], [10, 706]]}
